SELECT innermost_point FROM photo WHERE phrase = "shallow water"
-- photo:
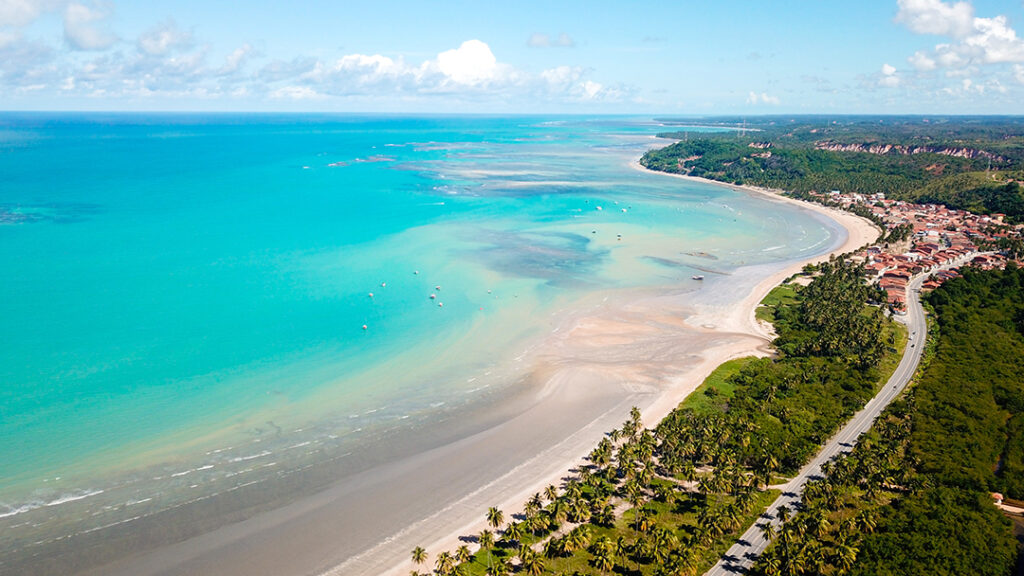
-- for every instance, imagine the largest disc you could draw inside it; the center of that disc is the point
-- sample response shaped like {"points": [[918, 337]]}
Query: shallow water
{"points": [[185, 295]]}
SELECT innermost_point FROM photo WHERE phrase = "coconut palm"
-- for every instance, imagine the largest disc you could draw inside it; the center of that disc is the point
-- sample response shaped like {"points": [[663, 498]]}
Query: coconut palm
{"points": [[500, 568], [604, 560], [845, 556], [514, 533], [463, 554], [495, 517], [551, 493], [445, 563], [419, 555], [531, 562], [486, 541]]}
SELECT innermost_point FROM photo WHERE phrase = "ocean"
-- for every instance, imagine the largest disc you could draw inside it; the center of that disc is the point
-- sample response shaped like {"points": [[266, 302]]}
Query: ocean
{"points": [[196, 304]]}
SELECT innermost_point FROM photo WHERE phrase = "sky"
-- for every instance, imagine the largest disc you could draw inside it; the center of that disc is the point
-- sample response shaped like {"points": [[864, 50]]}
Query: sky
{"points": [[412, 56]]}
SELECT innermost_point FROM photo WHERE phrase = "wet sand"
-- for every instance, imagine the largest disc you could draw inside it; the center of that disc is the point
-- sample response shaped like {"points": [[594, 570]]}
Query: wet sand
{"points": [[642, 349]]}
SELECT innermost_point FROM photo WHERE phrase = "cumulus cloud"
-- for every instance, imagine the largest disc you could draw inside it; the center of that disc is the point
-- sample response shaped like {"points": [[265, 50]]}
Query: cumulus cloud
{"points": [[538, 40], [571, 83], [164, 38], [166, 62], [234, 62], [23, 12], [84, 27], [936, 17], [278, 70], [922, 61], [973, 40], [471, 64], [763, 98], [889, 78]]}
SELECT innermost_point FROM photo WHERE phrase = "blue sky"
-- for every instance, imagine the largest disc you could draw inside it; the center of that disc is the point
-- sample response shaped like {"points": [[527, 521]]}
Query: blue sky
{"points": [[679, 57]]}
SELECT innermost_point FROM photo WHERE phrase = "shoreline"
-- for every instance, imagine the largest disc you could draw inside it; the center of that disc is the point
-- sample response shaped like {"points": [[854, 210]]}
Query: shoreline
{"points": [[738, 320], [641, 348]]}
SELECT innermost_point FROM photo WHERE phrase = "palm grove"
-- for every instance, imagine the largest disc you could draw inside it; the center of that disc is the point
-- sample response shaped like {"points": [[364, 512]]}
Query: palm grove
{"points": [[671, 500]]}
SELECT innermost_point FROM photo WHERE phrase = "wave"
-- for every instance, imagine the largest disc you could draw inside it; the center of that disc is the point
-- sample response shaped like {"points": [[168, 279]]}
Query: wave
{"points": [[34, 505]]}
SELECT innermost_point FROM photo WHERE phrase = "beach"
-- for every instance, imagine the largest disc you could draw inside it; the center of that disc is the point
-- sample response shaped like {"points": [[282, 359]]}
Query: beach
{"points": [[647, 350], [597, 313], [625, 346]]}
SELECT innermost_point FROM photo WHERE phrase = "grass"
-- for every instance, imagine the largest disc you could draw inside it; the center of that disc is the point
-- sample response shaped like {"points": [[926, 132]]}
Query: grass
{"points": [[897, 334], [782, 295], [711, 395]]}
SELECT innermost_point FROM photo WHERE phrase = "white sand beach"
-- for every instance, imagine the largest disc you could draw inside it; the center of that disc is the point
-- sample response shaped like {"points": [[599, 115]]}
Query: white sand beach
{"points": [[644, 349], [658, 348]]}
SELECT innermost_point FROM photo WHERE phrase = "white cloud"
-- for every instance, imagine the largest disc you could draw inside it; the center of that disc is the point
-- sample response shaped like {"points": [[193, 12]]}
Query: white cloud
{"points": [[83, 27], [472, 63], [922, 61], [278, 70], [995, 40], [165, 64], [762, 98], [23, 12], [538, 40], [889, 78], [234, 62], [975, 40], [164, 38], [936, 17]]}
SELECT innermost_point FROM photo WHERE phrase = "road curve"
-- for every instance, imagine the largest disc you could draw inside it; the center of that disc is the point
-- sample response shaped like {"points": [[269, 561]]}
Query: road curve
{"points": [[741, 556]]}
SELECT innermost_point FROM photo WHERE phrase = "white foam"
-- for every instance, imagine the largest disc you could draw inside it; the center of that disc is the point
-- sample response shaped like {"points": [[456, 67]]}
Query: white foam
{"points": [[252, 457]]}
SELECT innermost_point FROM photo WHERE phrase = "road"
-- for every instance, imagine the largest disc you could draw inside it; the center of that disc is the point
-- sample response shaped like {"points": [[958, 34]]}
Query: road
{"points": [[752, 543]]}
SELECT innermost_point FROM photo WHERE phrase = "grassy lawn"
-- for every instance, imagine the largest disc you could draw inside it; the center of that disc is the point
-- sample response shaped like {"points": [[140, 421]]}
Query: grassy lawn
{"points": [[782, 295], [711, 395]]}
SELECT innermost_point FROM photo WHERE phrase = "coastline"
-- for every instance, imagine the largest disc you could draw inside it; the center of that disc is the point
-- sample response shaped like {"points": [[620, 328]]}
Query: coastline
{"points": [[747, 337], [636, 348]]}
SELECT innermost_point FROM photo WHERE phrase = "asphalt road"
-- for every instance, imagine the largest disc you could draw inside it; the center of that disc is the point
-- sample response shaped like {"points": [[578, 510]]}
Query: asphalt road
{"points": [[752, 543]]}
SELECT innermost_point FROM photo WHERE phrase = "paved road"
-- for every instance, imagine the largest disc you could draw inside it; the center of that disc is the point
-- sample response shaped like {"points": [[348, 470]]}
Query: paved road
{"points": [[752, 543]]}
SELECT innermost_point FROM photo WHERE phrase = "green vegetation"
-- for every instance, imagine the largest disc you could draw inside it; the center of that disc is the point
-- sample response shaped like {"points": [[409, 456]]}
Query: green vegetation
{"points": [[672, 500], [717, 389], [914, 495], [964, 163], [782, 295], [972, 398]]}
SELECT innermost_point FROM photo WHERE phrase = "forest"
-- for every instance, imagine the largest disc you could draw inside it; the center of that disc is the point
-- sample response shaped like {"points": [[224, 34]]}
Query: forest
{"points": [[972, 164], [914, 496]]}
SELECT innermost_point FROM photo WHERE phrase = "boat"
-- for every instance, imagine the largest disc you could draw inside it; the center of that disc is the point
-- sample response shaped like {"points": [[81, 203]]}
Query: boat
{"points": [[697, 277]]}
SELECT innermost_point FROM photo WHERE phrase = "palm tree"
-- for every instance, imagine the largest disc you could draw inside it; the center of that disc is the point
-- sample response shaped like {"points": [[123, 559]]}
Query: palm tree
{"points": [[845, 555], [514, 533], [604, 560], [486, 543], [551, 493], [500, 568], [419, 555], [463, 554], [445, 563], [531, 562], [495, 517]]}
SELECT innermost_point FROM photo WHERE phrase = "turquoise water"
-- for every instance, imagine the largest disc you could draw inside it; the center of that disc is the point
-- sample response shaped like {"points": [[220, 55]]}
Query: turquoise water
{"points": [[185, 295]]}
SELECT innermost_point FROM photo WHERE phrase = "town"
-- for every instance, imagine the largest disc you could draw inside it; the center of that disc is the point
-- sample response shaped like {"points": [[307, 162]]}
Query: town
{"points": [[926, 238]]}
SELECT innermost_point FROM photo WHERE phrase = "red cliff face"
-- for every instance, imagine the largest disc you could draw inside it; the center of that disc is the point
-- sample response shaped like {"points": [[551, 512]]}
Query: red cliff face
{"points": [[877, 148]]}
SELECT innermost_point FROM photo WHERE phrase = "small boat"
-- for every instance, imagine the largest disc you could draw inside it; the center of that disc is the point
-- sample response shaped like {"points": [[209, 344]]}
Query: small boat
{"points": [[698, 277]]}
